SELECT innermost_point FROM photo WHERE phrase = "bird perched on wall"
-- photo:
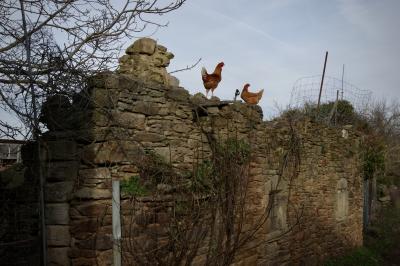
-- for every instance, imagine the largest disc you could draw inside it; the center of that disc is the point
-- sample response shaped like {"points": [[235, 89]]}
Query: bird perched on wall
{"points": [[251, 97], [211, 81]]}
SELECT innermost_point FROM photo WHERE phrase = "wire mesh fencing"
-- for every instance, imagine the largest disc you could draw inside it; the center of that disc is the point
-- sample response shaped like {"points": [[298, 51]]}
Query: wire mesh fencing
{"points": [[306, 91]]}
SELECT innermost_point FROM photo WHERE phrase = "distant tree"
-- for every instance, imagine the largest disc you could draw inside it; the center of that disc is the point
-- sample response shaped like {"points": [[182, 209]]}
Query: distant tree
{"points": [[384, 124]]}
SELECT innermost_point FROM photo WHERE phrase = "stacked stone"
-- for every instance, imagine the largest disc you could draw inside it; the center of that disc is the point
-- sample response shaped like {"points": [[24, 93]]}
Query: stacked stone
{"points": [[61, 173], [145, 60], [142, 108], [326, 159]]}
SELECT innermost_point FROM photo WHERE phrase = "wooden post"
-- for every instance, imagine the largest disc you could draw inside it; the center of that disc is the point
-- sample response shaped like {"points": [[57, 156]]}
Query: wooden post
{"points": [[342, 80], [116, 222], [322, 82], [334, 109]]}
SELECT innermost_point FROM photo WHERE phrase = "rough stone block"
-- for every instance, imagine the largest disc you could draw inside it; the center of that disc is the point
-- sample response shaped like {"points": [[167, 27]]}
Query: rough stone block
{"points": [[59, 192], [58, 235], [84, 226], [142, 46], [95, 173], [91, 209], [131, 120], [84, 262], [146, 108], [149, 137], [81, 253], [58, 256], [57, 214], [112, 152], [97, 241], [61, 150], [164, 152], [104, 97], [178, 94], [173, 81], [93, 193]]}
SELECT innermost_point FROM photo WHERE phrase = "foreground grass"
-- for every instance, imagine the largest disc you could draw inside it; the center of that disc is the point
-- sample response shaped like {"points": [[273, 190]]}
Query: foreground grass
{"points": [[381, 243]]}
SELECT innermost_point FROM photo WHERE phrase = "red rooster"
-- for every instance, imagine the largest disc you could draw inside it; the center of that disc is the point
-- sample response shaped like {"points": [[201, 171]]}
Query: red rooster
{"points": [[251, 97], [211, 81]]}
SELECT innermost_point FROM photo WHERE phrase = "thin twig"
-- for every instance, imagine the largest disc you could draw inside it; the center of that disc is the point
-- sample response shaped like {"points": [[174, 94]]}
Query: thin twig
{"points": [[187, 67]]}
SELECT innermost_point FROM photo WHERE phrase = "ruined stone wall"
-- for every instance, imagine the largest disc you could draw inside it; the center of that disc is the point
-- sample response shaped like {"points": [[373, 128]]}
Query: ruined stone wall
{"points": [[312, 171]]}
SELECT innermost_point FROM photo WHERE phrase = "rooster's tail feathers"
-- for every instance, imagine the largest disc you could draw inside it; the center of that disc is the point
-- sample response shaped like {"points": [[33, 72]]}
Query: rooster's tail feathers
{"points": [[203, 72], [260, 94]]}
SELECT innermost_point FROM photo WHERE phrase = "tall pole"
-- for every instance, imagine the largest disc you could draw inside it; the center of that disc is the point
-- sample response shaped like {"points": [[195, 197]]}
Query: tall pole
{"points": [[342, 80], [322, 82]]}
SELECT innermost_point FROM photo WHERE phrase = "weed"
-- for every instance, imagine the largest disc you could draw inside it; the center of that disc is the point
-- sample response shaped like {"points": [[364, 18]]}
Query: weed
{"points": [[132, 187]]}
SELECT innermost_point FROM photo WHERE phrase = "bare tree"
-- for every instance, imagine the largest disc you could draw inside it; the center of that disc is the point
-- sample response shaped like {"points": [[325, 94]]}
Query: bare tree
{"points": [[49, 47], [384, 121]]}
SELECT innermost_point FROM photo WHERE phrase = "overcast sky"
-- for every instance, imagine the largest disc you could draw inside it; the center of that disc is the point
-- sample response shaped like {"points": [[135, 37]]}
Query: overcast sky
{"points": [[270, 44]]}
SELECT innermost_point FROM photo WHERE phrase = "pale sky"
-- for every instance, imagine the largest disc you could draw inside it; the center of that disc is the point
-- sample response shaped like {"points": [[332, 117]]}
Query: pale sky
{"points": [[270, 44]]}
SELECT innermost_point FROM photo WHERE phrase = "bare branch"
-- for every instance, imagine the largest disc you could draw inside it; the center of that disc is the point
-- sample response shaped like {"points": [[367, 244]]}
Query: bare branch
{"points": [[187, 67]]}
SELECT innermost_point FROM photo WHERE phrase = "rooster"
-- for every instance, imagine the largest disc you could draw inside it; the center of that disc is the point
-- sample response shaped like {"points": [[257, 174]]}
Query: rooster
{"points": [[251, 97], [211, 81]]}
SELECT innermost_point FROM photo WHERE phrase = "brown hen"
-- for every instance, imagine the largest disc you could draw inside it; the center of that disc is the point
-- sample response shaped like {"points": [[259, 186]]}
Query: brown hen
{"points": [[211, 81], [251, 97]]}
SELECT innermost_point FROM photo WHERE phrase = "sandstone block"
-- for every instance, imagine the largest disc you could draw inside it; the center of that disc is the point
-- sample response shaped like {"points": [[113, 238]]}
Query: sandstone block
{"points": [[62, 171], [59, 192], [95, 173], [61, 150], [149, 137], [146, 108], [178, 94], [164, 152], [57, 214], [91, 209], [58, 235], [198, 98], [104, 97], [112, 152], [173, 81], [92, 193], [84, 262], [82, 226], [81, 253], [97, 241], [142, 46], [58, 256], [131, 120]]}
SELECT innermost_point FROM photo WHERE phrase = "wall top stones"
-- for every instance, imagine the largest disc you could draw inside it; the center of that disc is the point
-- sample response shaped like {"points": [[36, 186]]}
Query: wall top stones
{"points": [[147, 60]]}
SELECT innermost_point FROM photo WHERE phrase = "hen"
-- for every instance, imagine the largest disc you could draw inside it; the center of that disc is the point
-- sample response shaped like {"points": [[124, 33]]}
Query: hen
{"points": [[251, 97], [211, 81]]}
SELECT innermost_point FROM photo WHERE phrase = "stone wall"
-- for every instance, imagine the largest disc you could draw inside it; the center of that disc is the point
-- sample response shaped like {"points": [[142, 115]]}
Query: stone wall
{"points": [[312, 170]]}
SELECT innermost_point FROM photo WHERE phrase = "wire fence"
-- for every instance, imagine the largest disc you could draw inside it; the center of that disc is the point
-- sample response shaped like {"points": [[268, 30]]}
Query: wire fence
{"points": [[306, 90]]}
